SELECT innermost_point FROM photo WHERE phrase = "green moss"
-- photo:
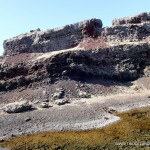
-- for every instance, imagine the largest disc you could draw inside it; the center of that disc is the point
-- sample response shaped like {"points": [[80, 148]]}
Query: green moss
{"points": [[130, 133]]}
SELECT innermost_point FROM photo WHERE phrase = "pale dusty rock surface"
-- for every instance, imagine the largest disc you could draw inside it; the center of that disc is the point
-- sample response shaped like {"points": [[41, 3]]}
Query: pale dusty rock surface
{"points": [[37, 41], [17, 107], [61, 101]]}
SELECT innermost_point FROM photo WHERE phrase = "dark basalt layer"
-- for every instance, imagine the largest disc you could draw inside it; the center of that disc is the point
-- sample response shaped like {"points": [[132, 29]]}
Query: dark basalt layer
{"points": [[121, 62]]}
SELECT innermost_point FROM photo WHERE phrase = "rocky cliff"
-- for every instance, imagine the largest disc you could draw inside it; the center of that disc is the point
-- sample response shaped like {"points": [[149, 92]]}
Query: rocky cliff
{"points": [[54, 39], [128, 29], [76, 53]]}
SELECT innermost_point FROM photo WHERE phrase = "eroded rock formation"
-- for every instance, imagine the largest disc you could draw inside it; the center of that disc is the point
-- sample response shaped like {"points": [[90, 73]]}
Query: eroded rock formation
{"points": [[141, 18], [54, 39], [77, 52]]}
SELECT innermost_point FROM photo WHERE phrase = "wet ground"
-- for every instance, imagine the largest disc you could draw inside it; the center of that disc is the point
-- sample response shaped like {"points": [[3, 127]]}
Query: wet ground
{"points": [[132, 132]]}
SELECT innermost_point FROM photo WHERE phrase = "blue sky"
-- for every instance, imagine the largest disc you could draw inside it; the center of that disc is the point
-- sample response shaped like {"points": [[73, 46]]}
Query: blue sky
{"points": [[19, 16]]}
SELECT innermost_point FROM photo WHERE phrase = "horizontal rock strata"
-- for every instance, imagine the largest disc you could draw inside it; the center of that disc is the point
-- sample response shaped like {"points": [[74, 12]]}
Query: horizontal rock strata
{"points": [[77, 52], [54, 39], [121, 62]]}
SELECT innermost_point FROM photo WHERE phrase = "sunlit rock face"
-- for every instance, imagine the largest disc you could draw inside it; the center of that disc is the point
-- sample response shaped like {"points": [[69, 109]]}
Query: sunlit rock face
{"points": [[128, 29], [37, 41], [140, 18]]}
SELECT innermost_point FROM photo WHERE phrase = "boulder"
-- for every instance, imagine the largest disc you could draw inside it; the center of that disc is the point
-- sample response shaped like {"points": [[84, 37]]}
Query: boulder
{"points": [[61, 101], [83, 94], [59, 94], [44, 105], [17, 107], [147, 71], [91, 28]]}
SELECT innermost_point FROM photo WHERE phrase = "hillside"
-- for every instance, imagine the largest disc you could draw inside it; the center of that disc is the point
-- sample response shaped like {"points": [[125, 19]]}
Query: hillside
{"points": [[61, 72]]}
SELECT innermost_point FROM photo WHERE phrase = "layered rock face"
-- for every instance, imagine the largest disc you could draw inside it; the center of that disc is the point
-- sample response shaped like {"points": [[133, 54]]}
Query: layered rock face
{"points": [[124, 56], [128, 33], [143, 17], [128, 29], [54, 39], [121, 62]]}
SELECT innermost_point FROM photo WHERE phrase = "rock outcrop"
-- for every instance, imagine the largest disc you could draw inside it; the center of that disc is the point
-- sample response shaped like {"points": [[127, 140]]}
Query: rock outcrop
{"points": [[54, 39], [128, 29], [120, 62], [77, 52], [17, 107], [143, 17]]}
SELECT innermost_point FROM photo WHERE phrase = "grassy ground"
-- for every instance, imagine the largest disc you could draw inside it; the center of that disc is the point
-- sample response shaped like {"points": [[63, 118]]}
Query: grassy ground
{"points": [[133, 132]]}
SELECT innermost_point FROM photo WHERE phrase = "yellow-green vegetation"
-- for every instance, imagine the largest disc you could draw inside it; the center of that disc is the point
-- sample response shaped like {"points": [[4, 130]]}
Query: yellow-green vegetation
{"points": [[133, 132]]}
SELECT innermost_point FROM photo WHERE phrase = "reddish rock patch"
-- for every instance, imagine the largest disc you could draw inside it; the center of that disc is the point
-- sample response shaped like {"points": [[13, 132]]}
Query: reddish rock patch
{"points": [[90, 43]]}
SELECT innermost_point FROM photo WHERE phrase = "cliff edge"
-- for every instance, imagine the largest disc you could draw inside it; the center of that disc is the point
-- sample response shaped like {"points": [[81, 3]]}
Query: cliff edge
{"points": [[82, 52]]}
